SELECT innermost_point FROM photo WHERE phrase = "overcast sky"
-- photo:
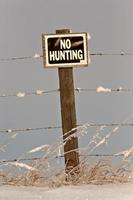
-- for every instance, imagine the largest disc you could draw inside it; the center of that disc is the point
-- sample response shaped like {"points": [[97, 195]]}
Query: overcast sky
{"points": [[109, 23]]}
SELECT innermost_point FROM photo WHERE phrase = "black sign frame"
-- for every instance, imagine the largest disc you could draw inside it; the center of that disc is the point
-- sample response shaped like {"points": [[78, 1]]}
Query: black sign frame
{"points": [[65, 50]]}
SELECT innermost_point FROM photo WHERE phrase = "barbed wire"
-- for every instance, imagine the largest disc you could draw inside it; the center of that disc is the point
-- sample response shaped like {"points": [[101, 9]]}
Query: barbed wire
{"points": [[107, 124], [21, 94], [17, 159], [56, 157], [29, 129], [101, 89], [38, 56], [122, 53], [59, 127], [38, 92]]}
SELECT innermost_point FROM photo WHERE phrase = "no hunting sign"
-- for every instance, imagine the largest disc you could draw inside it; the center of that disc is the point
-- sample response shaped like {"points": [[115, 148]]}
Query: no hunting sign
{"points": [[65, 50]]}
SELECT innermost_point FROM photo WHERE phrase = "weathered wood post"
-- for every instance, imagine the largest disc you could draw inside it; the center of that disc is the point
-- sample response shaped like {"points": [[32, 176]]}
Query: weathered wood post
{"points": [[68, 113]]}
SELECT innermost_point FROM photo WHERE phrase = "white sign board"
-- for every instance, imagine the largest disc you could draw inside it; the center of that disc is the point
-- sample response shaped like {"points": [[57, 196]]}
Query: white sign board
{"points": [[65, 50]]}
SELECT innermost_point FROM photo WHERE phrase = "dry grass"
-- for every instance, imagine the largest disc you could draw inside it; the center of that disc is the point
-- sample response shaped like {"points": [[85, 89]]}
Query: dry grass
{"points": [[100, 173], [43, 172]]}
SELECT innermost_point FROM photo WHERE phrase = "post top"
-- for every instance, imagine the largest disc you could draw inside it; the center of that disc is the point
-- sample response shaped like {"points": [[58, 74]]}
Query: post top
{"points": [[59, 31]]}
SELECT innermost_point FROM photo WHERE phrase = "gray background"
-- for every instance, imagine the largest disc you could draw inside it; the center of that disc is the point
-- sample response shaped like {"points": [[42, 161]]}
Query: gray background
{"points": [[109, 23]]}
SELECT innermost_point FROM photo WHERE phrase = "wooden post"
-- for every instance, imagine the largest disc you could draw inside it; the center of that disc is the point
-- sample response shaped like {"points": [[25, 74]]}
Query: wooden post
{"points": [[68, 114]]}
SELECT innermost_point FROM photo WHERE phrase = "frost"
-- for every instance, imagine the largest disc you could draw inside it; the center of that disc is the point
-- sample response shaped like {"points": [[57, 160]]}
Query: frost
{"points": [[39, 148], [14, 136], [20, 94], [126, 153], [102, 89], [17, 164], [102, 128], [115, 129], [39, 92], [59, 151], [36, 56]]}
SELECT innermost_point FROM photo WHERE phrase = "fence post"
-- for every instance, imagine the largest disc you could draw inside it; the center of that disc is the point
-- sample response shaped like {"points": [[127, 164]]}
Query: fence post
{"points": [[68, 114]]}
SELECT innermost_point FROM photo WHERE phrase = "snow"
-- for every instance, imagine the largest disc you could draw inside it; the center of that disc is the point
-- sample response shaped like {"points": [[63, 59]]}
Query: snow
{"points": [[102, 89], [84, 192]]}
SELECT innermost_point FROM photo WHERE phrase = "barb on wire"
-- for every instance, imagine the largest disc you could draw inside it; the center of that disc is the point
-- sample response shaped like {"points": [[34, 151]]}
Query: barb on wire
{"points": [[59, 127]]}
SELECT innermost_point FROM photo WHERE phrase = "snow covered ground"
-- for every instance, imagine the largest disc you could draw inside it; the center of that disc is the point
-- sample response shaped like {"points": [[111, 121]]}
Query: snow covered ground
{"points": [[84, 192]]}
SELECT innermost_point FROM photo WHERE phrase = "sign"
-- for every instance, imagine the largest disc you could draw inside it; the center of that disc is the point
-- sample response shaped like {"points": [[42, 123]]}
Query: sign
{"points": [[65, 50]]}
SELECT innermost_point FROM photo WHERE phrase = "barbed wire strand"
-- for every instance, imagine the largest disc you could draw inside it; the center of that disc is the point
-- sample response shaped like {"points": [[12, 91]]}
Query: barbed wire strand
{"points": [[104, 90], [111, 54], [38, 92], [21, 94], [29, 129], [38, 56], [61, 156], [59, 127]]}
